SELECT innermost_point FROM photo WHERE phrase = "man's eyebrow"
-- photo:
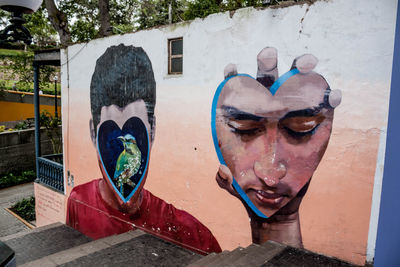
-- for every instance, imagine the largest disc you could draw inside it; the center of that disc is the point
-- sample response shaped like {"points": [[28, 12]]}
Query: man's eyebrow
{"points": [[308, 112], [237, 114]]}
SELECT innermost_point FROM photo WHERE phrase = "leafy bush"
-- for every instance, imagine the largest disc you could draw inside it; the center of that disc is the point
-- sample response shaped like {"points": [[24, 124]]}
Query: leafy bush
{"points": [[25, 208], [11, 179], [52, 124], [46, 87], [22, 125]]}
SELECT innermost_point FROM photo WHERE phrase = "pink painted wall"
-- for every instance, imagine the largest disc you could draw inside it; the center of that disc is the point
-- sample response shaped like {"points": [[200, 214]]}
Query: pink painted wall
{"points": [[335, 213], [49, 206]]}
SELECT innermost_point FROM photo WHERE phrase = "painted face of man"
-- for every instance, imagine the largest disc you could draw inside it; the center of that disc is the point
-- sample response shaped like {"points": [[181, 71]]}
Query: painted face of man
{"points": [[272, 144]]}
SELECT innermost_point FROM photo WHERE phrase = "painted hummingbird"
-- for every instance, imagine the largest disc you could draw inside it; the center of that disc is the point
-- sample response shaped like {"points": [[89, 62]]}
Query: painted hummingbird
{"points": [[128, 162]]}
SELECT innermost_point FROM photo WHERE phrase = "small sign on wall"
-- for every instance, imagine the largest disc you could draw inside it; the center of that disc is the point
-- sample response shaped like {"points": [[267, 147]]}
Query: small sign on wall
{"points": [[49, 206]]}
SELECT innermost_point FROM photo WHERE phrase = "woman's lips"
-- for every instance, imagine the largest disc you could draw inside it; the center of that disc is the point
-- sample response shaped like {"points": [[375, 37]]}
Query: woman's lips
{"points": [[268, 197]]}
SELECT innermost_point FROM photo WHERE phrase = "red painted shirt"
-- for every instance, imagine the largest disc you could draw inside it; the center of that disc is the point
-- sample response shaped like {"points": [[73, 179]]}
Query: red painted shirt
{"points": [[91, 215]]}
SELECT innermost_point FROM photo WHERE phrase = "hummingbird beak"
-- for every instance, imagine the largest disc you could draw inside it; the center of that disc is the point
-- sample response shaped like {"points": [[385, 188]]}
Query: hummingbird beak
{"points": [[122, 139]]}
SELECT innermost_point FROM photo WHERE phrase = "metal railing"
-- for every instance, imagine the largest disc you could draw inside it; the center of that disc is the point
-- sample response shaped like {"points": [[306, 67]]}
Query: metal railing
{"points": [[51, 171]]}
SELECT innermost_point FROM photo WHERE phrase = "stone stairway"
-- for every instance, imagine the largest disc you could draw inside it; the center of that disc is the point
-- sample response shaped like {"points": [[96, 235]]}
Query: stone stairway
{"points": [[60, 245], [34, 244]]}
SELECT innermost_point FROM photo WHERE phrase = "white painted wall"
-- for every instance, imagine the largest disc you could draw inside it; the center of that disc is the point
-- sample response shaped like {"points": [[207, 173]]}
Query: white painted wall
{"points": [[353, 41]]}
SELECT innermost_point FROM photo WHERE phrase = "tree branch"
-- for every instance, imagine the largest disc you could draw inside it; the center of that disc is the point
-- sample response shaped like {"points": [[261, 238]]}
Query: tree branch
{"points": [[59, 21], [104, 17]]}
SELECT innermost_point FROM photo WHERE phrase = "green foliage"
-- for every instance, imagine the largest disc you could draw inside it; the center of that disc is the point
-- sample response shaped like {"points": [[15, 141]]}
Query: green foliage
{"points": [[21, 69], [130, 15], [43, 33], [25, 208], [155, 12], [83, 17], [52, 124], [5, 53], [11, 179], [17, 64], [83, 31], [201, 8], [47, 88], [22, 125]]}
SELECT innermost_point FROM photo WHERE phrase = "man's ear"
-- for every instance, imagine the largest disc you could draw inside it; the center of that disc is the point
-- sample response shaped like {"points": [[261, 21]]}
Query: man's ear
{"points": [[153, 129], [92, 132]]}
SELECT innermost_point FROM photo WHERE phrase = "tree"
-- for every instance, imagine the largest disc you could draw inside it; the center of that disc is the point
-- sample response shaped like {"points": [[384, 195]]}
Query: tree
{"points": [[84, 20], [156, 12], [104, 17], [202, 8], [59, 21], [40, 28], [89, 19]]}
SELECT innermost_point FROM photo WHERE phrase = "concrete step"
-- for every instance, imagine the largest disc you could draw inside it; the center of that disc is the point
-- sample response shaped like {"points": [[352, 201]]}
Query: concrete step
{"points": [[217, 258], [299, 257], [253, 255], [33, 244], [131, 248], [232, 256], [256, 255], [269, 254], [204, 260], [209, 259]]}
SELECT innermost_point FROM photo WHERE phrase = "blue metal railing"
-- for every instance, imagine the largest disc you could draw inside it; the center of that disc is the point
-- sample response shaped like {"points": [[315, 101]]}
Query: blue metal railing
{"points": [[51, 171]]}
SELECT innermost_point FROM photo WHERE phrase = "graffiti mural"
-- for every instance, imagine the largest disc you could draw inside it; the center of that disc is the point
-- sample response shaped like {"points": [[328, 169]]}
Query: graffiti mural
{"points": [[123, 98], [270, 133]]}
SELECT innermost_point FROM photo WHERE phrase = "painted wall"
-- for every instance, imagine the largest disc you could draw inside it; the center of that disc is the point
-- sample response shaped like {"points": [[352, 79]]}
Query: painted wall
{"points": [[353, 41], [49, 205], [15, 106]]}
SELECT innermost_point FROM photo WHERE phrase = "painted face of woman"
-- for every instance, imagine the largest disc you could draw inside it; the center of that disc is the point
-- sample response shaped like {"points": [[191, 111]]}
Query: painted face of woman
{"points": [[272, 144]]}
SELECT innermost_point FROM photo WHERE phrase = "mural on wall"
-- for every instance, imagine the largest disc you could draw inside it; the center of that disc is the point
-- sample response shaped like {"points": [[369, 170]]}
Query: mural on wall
{"points": [[123, 98], [270, 133]]}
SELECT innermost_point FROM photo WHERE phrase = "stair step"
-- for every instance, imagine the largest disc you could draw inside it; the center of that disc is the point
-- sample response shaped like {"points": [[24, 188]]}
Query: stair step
{"points": [[40, 242], [209, 259], [246, 254], [256, 255], [203, 261], [131, 248], [218, 258], [299, 257], [232, 256], [29, 231]]}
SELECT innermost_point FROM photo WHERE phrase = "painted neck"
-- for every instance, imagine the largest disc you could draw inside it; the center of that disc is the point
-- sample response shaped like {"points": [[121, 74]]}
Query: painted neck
{"points": [[280, 228], [111, 198], [283, 226]]}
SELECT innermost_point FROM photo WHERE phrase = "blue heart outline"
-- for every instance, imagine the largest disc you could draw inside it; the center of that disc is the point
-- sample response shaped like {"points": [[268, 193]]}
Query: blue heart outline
{"points": [[273, 89], [144, 172]]}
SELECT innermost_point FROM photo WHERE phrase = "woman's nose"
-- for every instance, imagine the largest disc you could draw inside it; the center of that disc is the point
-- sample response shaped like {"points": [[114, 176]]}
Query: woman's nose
{"points": [[269, 167]]}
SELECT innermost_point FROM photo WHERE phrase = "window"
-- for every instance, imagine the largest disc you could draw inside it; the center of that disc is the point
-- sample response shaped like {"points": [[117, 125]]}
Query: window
{"points": [[175, 56]]}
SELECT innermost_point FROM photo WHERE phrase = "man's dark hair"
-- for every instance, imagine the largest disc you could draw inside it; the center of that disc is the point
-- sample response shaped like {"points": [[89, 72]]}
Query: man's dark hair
{"points": [[123, 74]]}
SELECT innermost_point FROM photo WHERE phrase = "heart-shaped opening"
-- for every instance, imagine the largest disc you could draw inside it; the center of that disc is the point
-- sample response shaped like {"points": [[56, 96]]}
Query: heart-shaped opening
{"points": [[269, 91], [124, 155]]}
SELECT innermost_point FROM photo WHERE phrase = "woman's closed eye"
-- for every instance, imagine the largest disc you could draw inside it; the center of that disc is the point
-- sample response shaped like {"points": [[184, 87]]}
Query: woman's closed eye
{"points": [[246, 128], [301, 126]]}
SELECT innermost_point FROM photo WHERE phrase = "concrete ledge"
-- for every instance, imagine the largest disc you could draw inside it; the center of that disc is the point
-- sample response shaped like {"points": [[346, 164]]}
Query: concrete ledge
{"points": [[17, 149], [83, 250], [20, 218], [29, 231]]}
